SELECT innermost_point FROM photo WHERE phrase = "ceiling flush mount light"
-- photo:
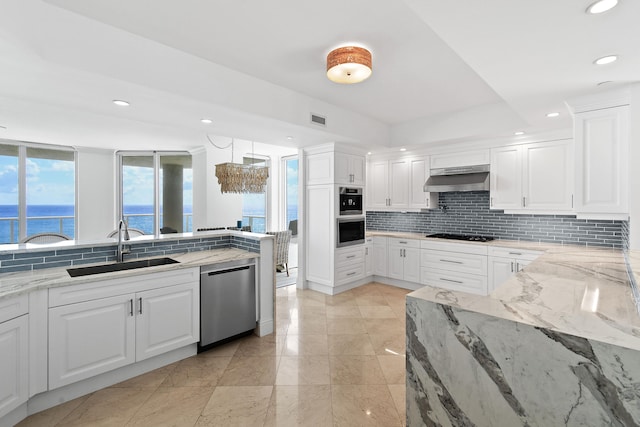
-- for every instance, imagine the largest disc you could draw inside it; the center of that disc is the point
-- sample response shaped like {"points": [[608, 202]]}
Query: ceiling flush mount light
{"points": [[206, 121], [349, 64], [551, 115], [121, 103], [601, 6], [606, 60]]}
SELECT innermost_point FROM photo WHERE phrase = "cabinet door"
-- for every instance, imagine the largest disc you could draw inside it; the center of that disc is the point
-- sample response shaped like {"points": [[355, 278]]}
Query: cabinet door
{"points": [[167, 319], [378, 185], [342, 166], [380, 257], [357, 169], [90, 338], [13, 363], [412, 265], [368, 260], [500, 269], [506, 178], [601, 155], [395, 260], [418, 174], [319, 168], [548, 176], [399, 183]]}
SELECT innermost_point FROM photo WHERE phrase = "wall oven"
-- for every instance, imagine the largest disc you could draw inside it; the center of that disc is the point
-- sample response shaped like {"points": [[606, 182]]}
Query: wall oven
{"points": [[349, 231], [350, 202]]}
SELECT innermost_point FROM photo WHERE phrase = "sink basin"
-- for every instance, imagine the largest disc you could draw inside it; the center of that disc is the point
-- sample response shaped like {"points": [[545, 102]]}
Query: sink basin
{"points": [[110, 268]]}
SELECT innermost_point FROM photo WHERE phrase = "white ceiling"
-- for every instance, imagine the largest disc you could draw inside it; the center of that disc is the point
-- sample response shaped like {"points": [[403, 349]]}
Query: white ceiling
{"points": [[458, 70]]}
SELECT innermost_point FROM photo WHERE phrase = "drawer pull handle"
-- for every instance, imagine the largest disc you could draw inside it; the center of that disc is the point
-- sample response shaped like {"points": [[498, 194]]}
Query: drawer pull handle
{"points": [[351, 274], [449, 280], [451, 261], [512, 267], [131, 307], [515, 253], [351, 256], [403, 242]]}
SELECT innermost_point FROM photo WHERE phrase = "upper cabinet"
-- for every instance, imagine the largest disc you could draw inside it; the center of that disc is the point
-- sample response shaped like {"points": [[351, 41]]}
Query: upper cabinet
{"points": [[332, 167], [537, 177], [397, 184], [602, 146]]}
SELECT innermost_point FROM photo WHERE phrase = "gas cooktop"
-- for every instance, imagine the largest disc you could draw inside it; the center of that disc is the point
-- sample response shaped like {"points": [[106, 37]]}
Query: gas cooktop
{"points": [[468, 237]]}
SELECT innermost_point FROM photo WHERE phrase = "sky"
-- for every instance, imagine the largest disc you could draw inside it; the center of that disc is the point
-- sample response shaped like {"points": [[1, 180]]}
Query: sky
{"points": [[49, 182]]}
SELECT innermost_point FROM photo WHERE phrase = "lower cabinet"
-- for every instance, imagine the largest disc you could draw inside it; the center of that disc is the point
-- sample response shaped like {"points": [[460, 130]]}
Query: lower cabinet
{"points": [[349, 264], [455, 266], [403, 259], [368, 257], [380, 256], [505, 262], [13, 363], [96, 336]]}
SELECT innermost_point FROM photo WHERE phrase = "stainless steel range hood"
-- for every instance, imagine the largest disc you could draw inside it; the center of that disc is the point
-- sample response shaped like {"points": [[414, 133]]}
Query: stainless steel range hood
{"points": [[464, 178]]}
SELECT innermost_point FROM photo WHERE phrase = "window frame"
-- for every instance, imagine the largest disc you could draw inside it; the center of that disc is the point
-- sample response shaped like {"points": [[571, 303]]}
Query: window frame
{"points": [[156, 154], [267, 192], [22, 181], [284, 224]]}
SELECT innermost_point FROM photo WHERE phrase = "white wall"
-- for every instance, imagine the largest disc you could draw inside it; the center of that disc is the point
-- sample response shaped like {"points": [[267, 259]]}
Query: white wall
{"points": [[96, 193]]}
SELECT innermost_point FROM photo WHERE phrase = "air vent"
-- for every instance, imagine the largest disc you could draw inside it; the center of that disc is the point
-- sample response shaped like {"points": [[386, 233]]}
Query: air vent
{"points": [[319, 120]]}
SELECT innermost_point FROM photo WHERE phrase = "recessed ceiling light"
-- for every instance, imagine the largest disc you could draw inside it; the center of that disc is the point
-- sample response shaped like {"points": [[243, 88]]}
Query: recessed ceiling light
{"points": [[369, 153], [518, 133], [289, 138], [606, 60], [403, 149], [121, 103], [601, 6], [555, 114], [206, 121]]}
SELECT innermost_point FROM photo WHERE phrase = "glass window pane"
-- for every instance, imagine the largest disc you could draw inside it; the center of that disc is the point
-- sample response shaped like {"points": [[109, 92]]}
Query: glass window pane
{"points": [[176, 178], [8, 193], [138, 192], [291, 195], [254, 205], [50, 191]]}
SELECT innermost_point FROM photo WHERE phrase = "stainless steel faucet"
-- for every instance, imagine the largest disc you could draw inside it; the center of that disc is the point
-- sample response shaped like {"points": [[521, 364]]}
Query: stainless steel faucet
{"points": [[121, 249]]}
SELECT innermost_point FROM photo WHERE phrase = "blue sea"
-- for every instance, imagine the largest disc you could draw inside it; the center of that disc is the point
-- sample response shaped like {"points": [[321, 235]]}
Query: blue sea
{"points": [[60, 219]]}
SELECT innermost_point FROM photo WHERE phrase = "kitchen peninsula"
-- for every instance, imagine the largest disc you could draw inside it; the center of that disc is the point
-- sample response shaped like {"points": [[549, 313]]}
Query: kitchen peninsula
{"points": [[556, 344]]}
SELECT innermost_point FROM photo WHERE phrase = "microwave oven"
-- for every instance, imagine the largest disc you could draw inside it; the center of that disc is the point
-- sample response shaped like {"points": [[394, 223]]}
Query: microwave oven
{"points": [[350, 201], [349, 231]]}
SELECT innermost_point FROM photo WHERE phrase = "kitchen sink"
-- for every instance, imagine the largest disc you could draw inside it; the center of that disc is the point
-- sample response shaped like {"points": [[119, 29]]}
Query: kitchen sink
{"points": [[110, 268]]}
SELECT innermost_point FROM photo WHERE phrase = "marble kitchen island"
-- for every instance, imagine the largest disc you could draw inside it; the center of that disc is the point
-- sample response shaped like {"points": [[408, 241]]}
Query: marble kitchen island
{"points": [[557, 344]]}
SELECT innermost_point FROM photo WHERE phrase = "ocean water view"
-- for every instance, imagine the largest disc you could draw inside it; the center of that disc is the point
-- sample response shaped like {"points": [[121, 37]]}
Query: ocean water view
{"points": [[60, 219]]}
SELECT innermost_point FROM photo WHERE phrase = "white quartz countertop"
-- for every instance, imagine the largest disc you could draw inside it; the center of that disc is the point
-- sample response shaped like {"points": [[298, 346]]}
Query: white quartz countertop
{"points": [[575, 290], [12, 284]]}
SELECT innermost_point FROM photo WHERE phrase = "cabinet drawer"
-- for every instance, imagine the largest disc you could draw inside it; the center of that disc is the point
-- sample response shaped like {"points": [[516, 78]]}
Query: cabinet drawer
{"points": [[13, 307], [466, 248], [520, 254], [454, 281], [407, 243], [349, 257], [452, 261], [346, 275]]}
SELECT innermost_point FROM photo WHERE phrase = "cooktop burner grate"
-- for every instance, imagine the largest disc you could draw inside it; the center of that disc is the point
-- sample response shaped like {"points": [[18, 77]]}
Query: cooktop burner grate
{"points": [[467, 237]]}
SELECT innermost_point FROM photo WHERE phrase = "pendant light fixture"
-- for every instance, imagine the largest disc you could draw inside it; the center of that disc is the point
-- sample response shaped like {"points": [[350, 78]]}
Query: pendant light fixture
{"points": [[349, 64], [240, 178]]}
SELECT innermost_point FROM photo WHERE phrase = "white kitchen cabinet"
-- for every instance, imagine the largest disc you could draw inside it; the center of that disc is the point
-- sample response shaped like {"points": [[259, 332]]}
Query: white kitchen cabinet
{"points": [[90, 338], [536, 177], [505, 262], [601, 159], [380, 256], [349, 264], [14, 374], [397, 184], [403, 258], [368, 257], [455, 266], [332, 167], [100, 326], [349, 169]]}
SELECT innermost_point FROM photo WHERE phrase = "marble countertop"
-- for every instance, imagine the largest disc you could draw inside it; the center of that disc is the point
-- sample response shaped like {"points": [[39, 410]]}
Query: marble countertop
{"points": [[576, 290], [13, 284]]}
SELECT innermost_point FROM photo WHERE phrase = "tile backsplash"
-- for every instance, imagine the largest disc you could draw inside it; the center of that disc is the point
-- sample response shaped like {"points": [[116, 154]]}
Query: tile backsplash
{"points": [[469, 213]]}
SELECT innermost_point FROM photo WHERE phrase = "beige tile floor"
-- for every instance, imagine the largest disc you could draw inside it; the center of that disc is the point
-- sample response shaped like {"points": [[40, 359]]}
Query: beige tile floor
{"points": [[333, 361]]}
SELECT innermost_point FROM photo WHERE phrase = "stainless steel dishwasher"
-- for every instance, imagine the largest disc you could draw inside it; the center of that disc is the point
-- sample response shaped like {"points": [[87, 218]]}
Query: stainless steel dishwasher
{"points": [[227, 301]]}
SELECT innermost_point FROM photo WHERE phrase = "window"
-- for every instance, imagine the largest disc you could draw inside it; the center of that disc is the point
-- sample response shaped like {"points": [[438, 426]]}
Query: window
{"points": [[156, 191], [290, 170], [37, 191], [254, 205]]}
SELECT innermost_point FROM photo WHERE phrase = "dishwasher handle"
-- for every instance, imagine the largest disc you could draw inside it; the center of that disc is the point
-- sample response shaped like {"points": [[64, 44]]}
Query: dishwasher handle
{"points": [[230, 270]]}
